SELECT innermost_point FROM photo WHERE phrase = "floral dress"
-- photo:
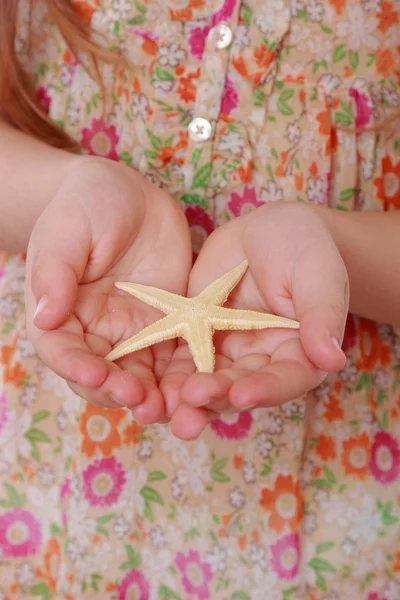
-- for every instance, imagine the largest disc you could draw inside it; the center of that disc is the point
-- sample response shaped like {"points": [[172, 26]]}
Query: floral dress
{"points": [[230, 104]]}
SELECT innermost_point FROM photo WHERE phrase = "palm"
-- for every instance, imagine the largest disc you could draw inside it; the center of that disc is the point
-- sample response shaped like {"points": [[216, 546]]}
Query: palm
{"points": [[252, 367], [122, 229]]}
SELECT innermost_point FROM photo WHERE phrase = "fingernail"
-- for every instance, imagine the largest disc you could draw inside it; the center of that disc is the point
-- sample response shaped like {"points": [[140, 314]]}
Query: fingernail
{"points": [[335, 342], [41, 305]]}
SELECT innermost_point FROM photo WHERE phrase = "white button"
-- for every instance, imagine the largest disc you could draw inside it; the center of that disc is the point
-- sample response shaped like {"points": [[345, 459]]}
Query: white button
{"points": [[200, 129], [221, 35]]}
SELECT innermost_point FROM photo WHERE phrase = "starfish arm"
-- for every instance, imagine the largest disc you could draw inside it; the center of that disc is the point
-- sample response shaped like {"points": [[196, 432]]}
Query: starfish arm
{"points": [[218, 291], [232, 319], [167, 328], [198, 334], [165, 301]]}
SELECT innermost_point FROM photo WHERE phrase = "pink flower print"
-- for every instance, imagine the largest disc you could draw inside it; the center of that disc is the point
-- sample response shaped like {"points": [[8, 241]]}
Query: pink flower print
{"points": [[20, 534], [196, 574], [234, 426], [201, 226], [103, 481], [230, 98], [363, 108], [3, 411], [286, 556], [241, 204], [145, 35], [385, 458], [197, 41], [224, 13], [375, 596], [134, 585], [64, 495], [43, 98], [100, 140]]}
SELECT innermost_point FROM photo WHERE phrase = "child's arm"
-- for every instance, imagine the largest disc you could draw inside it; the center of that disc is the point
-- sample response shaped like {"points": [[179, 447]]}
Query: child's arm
{"points": [[370, 246], [30, 174]]}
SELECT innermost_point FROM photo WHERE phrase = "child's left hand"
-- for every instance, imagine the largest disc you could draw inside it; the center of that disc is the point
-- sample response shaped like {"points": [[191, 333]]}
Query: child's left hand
{"points": [[296, 271]]}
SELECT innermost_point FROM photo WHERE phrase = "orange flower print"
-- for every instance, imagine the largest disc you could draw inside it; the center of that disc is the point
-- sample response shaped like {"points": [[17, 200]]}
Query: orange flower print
{"points": [[356, 455], [333, 410], [133, 433], [388, 186], [99, 430], [326, 447], [373, 351], [284, 502], [263, 56], [338, 5], [384, 62], [387, 16]]}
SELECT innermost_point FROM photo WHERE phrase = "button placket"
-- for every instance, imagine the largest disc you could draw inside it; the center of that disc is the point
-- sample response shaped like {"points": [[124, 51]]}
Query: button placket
{"points": [[210, 91]]}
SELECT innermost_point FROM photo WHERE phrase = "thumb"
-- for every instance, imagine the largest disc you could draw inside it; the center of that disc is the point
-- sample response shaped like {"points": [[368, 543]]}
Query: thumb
{"points": [[321, 301], [57, 256]]}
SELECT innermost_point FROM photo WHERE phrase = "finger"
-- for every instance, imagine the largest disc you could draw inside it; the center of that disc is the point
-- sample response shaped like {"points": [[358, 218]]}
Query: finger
{"points": [[212, 389], [152, 409], [66, 352], [321, 301], [118, 390], [281, 381], [57, 257], [177, 372], [187, 423]]}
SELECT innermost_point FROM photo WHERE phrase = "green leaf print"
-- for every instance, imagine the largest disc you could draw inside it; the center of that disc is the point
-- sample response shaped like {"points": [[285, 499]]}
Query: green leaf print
{"points": [[14, 499], [134, 560], [105, 519], [320, 564], [194, 199], [139, 20], [148, 511], [345, 195], [240, 596], [216, 471], [289, 592], [387, 517], [151, 495], [95, 579], [339, 53], [165, 592], [40, 416], [284, 98], [258, 97], [326, 29], [354, 59], [200, 179], [324, 547], [55, 530], [126, 158], [320, 581], [42, 590], [116, 28], [364, 381], [156, 476], [163, 75], [35, 435], [246, 14], [329, 475], [155, 140]]}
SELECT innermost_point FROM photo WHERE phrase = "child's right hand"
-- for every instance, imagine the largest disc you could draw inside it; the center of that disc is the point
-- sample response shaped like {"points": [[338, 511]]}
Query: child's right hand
{"points": [[105, 224]]}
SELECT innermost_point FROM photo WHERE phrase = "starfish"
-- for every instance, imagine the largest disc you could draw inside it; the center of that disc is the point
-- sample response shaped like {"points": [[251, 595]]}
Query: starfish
{"points": [[195, 319]]}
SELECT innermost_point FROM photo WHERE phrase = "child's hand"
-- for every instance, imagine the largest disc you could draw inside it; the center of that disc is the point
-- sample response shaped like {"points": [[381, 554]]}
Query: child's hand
{"points": [[296, 271], [105, 224]]}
